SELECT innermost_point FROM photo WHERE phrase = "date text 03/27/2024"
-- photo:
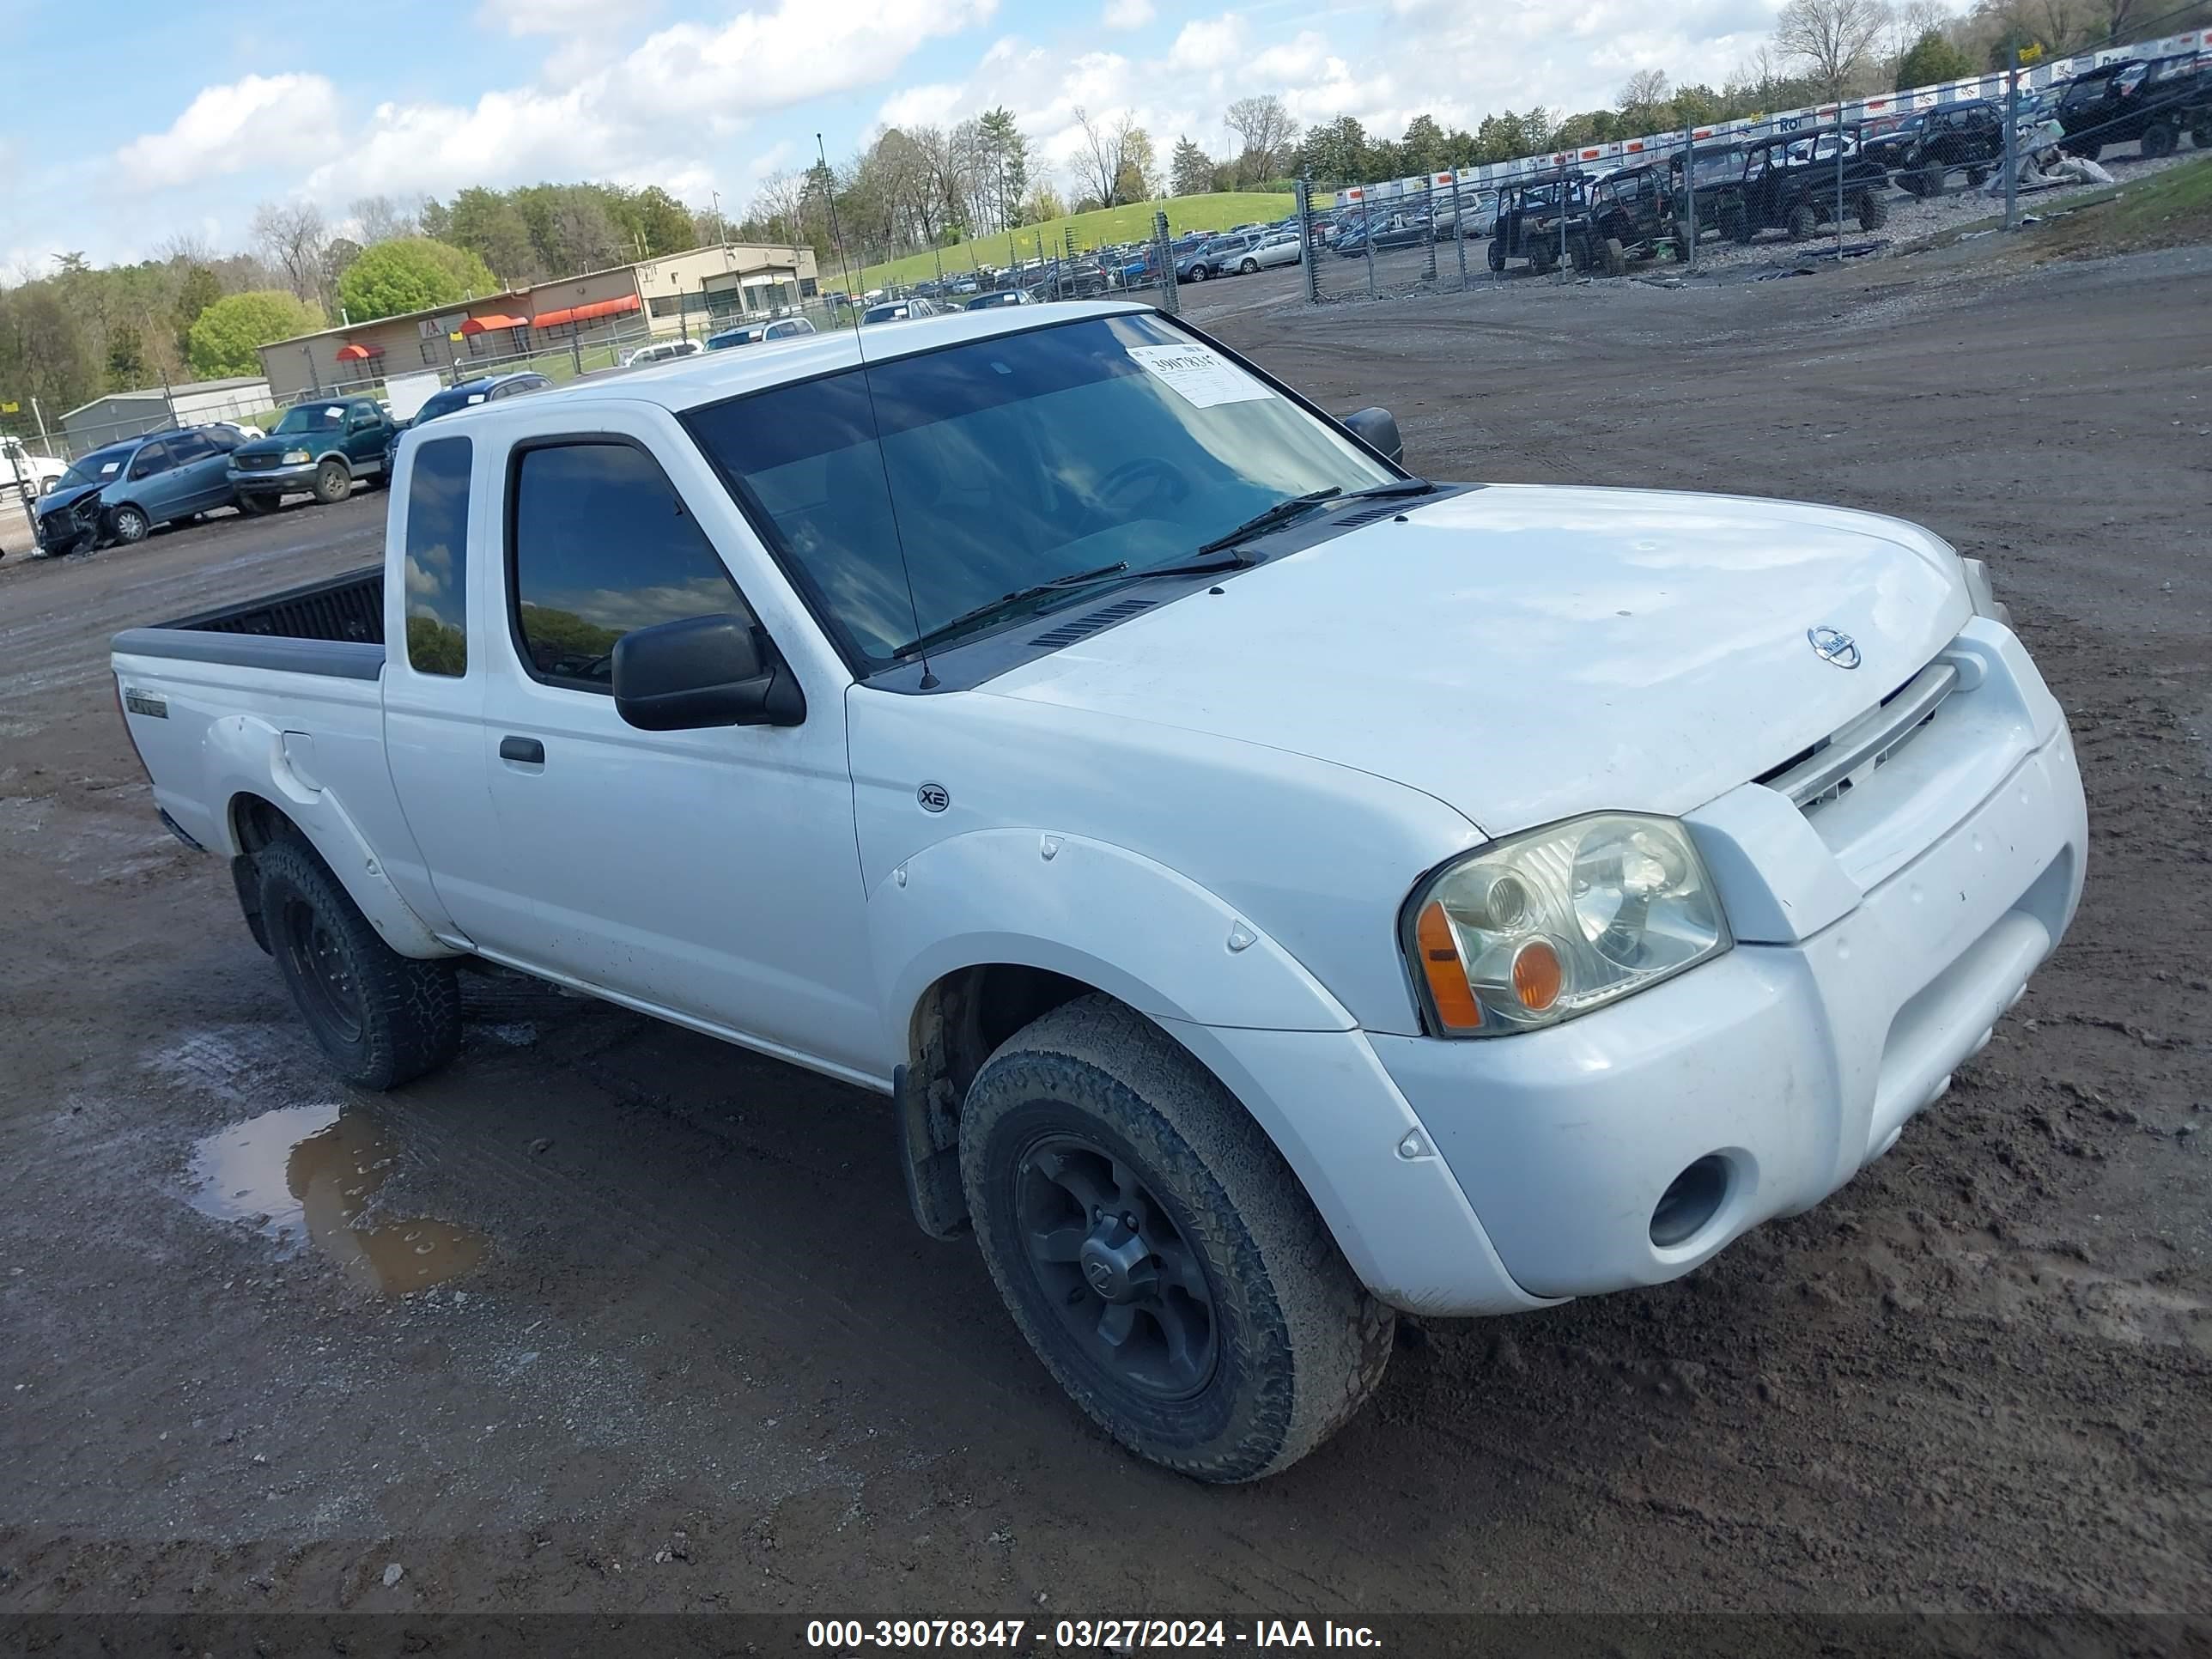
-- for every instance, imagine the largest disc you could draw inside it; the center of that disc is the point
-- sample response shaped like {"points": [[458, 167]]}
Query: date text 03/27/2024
{"points": [[1104, 1635]]}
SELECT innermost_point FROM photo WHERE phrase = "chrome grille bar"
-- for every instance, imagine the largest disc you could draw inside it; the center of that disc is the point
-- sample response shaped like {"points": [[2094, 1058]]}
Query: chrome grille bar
{"points": [[1868, 740]]}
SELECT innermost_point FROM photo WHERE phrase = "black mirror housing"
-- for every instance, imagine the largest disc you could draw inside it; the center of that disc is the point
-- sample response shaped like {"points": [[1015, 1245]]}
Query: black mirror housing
{"points": [[1379, 430], [703, 671]]}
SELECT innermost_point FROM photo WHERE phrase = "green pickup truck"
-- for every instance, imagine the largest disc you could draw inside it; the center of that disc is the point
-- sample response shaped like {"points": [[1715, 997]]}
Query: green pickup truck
{"points": [[318, 448]]}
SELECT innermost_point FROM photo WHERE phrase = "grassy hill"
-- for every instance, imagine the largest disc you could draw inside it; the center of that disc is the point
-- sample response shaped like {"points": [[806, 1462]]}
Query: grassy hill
{"points": [[1117, 224]]}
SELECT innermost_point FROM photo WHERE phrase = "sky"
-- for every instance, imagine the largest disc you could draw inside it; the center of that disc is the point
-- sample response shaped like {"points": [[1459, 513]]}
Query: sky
{"points": [[133, 122]]}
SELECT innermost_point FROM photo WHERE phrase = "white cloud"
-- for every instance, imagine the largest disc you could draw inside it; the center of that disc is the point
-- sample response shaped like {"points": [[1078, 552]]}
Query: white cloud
{"points": [[1208, 44], [219, 130], [564, 17], [921, 107], [1127, 14]]}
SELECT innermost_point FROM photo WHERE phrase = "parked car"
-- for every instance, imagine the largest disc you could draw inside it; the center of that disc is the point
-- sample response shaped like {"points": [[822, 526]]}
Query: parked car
{"points": [[1925, 147], [1397, 229], [317, 448], [1005, 296], [660, 351], [781, 328], [899, 311], [1795, 184], [1277, 247], [24, 473], [2150, 102], [1216, 257], [485, 389], [120, 493], [1228, 1009], [1469, 216]]}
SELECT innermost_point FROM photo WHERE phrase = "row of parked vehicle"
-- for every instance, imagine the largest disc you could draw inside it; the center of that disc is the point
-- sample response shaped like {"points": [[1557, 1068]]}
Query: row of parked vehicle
{"points": [[120, 493]]}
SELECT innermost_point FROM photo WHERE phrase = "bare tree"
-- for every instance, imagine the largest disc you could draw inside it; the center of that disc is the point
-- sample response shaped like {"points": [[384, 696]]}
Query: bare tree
{"points": [[1833, 38], [1267, 133], [780, 202], [294, 237], [1106, 154], [1641, 95], [380, 219]]}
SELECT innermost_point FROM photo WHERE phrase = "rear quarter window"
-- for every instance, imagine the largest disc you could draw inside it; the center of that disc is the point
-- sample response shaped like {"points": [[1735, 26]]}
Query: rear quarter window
{"points": [[437, 557]]}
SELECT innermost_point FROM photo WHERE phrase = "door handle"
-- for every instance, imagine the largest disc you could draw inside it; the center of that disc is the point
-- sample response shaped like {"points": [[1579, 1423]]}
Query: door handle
{"points": [[527, 749]]}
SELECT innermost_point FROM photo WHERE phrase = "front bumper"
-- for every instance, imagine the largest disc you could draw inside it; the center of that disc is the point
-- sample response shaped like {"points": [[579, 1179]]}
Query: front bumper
{"points": [[274, 480], [1892, 946], [68, 531]]}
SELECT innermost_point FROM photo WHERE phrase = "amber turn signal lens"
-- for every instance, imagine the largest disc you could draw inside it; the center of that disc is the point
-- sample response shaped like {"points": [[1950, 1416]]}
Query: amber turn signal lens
{"points": [[1536, 975], [1450, 994]]}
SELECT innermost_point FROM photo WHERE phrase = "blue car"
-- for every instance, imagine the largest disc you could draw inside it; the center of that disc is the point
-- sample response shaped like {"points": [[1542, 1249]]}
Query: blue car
{"points": [[120, 491]]}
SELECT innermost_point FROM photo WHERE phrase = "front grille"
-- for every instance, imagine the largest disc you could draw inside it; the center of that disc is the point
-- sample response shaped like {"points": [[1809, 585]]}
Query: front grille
{"points": [[1839, 763], [254, 463]]}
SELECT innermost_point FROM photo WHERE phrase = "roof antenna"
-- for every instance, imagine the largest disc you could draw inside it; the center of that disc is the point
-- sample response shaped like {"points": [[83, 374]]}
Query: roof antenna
{"points": [[828, 182], [929, 680]]}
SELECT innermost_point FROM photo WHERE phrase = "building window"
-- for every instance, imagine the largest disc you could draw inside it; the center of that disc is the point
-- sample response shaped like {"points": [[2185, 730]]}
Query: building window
{"points": [[431, 353], [807, 288]]}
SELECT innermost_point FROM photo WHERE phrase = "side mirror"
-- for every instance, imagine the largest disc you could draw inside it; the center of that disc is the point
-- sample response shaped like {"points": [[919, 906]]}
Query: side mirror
{"points": [[1379, 430], [701, 671]]}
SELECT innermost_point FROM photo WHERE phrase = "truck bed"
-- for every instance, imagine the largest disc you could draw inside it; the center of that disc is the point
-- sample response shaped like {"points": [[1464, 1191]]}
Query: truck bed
{"points": [[332, 627]]}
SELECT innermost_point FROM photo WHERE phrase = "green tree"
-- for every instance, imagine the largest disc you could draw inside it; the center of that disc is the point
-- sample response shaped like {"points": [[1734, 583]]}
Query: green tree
{"points": [[663, 221], [127, 368], [196, 290], [491, 226], [223, 340], [1932, 58], [411, 274], [1337, 153], [1190, 173], [1422, 149]]}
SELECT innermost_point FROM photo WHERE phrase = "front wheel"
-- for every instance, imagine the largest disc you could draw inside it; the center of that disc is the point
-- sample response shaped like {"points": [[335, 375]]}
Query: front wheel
{"points": [[1931, 179], [1803, 224], [128, 524], [332, 482], [1250, 267], [2200, 132], [1497, 256], [1157, 1252], [255, 506], [1198, 273], [383, 1019], [1616, 258], [1874, 212]]}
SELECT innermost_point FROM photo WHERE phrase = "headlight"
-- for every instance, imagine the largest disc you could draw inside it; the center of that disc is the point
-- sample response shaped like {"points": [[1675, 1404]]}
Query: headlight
{"points": [[1985, 598], [1540, 927], [296, 458]]}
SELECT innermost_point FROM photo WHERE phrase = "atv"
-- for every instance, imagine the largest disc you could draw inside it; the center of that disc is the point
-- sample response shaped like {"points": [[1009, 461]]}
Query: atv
{"points": [[1540, 217], [1794, 183]]}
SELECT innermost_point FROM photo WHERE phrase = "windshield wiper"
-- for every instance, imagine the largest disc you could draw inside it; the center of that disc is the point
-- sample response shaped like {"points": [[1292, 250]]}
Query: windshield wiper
{"points": [[983, 613], [1281, 513]]}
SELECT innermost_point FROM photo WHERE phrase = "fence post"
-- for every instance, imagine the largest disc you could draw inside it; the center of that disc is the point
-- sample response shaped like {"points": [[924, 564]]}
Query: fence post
{"points": [[576, 350], [1429, 222], [1839, 182], [1690, 191], [1307, 274], [1164, 264], [2012, 143], [1367, 237], [1459, 226], [45, 442]]}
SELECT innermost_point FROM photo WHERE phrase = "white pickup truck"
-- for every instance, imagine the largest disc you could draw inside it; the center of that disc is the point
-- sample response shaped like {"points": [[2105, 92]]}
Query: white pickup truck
{"points": [[26, 474], [1275, 891]]}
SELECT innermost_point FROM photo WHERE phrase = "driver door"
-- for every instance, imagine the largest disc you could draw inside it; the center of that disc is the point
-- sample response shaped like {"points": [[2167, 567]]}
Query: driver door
{"points": [[154, 477]]}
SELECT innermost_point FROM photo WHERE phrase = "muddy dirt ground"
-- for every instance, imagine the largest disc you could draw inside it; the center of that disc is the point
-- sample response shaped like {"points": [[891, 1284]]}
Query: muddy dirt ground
{"points": [[693, 1356]]}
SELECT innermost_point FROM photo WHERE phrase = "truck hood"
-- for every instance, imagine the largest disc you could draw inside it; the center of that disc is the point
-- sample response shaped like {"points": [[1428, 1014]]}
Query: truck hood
{"points": [[1525, 653], [273, 447]]}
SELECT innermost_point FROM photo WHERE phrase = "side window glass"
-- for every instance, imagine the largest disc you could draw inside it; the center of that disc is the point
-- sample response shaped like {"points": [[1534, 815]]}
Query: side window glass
{"points": [[437, 557], [601, 544], [190, 446], [151, 459]]}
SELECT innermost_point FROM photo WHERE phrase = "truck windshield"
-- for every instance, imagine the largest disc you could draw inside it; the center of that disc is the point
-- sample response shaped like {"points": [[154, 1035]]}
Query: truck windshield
{"points": [[941, 481], [309, 417]]}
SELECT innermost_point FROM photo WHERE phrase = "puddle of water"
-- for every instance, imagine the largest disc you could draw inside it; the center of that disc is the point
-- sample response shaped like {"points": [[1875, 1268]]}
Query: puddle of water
{"points": [[304, 1174]]}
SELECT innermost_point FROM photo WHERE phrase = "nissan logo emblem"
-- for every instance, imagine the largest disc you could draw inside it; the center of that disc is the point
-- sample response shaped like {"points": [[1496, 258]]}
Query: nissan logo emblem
{"points": [[1833, 645]]}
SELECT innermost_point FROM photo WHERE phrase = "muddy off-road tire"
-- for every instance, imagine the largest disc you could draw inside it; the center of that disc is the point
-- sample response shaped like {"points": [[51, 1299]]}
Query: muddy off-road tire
{"points": [[1497, 255], [2159, 139], [1616, 258], [1804, 223], [1874, 212], [1932, 179], [1735, 224], [333, 482], [1157, 1253], [384, 1019]]}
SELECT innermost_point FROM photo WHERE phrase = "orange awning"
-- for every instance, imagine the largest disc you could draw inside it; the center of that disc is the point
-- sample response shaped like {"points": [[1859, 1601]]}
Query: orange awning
{"points": [[485, 325], [588, 313], [358, 354]]}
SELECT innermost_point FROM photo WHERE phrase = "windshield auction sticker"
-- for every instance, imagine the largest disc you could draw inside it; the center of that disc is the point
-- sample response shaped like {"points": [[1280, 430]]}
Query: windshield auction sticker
{"points": [[1198, 376]]}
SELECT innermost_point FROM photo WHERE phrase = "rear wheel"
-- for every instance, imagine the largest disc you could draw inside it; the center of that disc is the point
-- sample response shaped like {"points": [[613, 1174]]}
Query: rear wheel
{"points": [[2200, 132], [1157, 1252], [1931, 179], [1198, 273], [1497, 255], [382, 1019], [1874, 212], [1803, 224], [128, 524], [332, 482], [1735, 223], [2158, 140]]}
